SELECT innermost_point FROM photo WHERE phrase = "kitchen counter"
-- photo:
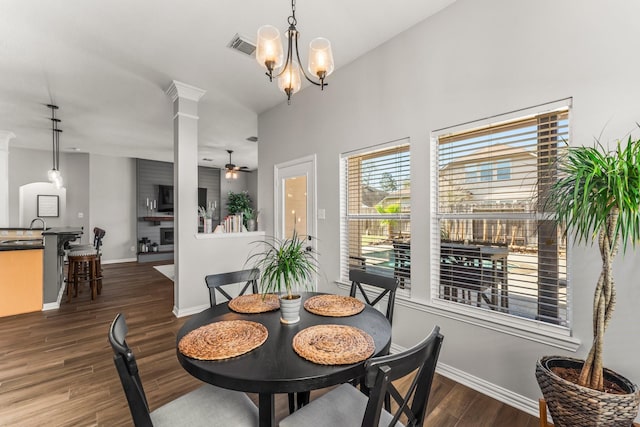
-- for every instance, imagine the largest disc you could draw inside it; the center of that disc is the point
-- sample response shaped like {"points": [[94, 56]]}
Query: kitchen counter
{"points": [[16, 239]]}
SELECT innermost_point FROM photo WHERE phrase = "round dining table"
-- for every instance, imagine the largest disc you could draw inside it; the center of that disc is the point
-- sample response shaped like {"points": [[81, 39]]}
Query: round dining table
{"points": [[274, 367]]}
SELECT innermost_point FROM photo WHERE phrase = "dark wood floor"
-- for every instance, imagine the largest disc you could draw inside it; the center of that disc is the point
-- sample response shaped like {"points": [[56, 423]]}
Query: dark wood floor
{"points": [[56, 367]]}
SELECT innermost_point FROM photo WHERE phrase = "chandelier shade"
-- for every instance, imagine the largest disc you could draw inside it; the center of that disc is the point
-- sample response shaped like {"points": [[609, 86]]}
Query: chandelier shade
{"points": [[320, 57], [269, 54], [269, 47]]}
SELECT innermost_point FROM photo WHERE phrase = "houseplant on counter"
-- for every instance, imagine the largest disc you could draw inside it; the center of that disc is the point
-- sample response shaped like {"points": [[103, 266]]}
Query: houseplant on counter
{"points": [[598, 193], [239, 203], [285, 264]]}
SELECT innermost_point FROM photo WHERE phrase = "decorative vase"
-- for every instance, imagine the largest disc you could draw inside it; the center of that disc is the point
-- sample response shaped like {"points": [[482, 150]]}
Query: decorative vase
{"points": [[251, 225], [290, 309], [208, 225], [571, 405]]}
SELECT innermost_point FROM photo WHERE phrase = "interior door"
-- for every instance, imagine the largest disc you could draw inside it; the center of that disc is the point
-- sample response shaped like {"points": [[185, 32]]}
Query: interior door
{"points": [[295, 199]]}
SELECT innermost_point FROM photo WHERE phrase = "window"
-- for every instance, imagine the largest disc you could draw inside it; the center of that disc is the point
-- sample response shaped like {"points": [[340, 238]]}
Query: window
{"points": [[375, 211], [496, 250]]}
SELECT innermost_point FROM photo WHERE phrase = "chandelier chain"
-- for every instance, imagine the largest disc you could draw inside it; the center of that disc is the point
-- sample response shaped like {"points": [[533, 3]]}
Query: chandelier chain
{"points": [[292, 19]]}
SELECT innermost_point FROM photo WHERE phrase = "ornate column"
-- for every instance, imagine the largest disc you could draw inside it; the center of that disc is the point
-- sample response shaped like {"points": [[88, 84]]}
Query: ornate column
{"points": [[5, 137], [185, 180]]}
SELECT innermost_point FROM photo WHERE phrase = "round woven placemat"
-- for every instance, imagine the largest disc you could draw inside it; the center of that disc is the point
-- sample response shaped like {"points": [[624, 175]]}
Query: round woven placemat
{"points": [[333, 344], [333, 305], [255, 303], [222, 340]]}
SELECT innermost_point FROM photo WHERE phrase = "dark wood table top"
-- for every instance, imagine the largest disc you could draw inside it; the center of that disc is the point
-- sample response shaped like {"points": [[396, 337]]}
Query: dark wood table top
{"points": [[275, 367]]}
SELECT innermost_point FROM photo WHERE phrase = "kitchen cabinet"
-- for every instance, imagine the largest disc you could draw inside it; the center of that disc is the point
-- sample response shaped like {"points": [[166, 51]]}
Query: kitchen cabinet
{"points": [[20, 281]]}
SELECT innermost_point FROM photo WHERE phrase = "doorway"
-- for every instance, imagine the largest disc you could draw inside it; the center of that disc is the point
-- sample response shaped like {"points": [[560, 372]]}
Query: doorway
{"points": [[295, 199]]}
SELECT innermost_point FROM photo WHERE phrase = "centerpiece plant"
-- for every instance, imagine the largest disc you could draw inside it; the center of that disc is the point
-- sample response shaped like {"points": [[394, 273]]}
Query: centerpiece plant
{"points": [[596, 198], [285, 264]]}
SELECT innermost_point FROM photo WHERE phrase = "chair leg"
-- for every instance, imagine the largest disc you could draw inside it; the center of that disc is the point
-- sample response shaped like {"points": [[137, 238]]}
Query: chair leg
{"points": [[292, 402]]}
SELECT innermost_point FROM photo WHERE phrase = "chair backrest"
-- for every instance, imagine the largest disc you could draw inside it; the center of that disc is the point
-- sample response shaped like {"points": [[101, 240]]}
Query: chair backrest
{"points": [[215, 282], [386, 284], [127, 368], [381, 371], [98, 235]]}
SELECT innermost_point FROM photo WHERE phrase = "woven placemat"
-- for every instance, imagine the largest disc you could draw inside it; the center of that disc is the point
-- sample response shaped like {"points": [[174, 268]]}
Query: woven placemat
{"points": [[222, 340], [255, 303], [333, 344], [334, 305]]}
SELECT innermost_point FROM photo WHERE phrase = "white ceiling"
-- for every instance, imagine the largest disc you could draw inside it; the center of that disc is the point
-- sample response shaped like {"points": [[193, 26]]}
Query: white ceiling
{"points": [[107, 65]]}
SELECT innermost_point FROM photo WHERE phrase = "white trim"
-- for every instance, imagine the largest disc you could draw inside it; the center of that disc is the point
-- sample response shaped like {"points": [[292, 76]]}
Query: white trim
{"points": [[182, 90], [313, 201], [205, 236], [487, 388], [530, 330], [522, 328], [185, 115], [560, 104], [501, 394], [55, 305], [371, 149], [118, 261], [189, 311]]}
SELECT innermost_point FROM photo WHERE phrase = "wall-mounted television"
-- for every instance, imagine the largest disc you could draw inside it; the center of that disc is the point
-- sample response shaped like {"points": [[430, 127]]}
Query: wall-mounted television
{"points": [[165, 198]]}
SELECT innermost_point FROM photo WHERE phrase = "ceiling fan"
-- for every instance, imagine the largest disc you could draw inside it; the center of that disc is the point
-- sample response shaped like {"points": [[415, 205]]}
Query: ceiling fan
{"points": [[231, 169]]}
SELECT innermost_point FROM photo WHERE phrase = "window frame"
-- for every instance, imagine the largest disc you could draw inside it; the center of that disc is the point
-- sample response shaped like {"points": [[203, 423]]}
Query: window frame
{"points": [[402, 144], [548, 333]]}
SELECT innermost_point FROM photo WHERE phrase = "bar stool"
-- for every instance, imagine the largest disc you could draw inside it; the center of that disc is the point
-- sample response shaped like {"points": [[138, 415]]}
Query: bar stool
{"points": [[84, 266], [84, 263]]}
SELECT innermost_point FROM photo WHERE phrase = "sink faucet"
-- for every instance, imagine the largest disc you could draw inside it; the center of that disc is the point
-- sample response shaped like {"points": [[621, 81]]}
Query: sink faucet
{"points": [[44, 224]]}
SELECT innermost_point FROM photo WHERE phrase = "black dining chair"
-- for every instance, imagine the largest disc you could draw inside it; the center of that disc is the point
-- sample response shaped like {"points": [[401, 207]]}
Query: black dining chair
{"points": [[346, 406], [217, 282], [377, 288], [205, 406]]}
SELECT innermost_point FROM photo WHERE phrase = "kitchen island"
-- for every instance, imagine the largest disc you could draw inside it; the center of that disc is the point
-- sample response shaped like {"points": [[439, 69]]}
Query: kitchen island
{"points": [[21, 271], [31, 268]]}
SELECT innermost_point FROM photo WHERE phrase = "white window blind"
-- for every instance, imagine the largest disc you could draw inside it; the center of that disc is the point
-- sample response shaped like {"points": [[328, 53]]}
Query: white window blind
{"points": [[494, 248], [375, 212]]}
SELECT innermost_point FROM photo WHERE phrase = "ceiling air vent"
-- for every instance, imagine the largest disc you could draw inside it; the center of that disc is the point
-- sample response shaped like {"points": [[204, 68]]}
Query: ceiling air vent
{"points": [[242, 45]]}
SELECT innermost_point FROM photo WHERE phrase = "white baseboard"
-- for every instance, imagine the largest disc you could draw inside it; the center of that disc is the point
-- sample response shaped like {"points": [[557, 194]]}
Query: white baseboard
{"points": [[55, 305], [189, 311], [117, 261], [501, 394], [508, 397]]}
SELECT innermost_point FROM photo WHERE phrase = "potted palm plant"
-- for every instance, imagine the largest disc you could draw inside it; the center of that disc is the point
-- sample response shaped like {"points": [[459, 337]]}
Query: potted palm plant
{"points": [[285, 265], [598, 193]]}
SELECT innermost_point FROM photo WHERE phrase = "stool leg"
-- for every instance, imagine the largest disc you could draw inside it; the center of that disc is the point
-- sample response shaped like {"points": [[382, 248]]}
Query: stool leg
{"points": [[69, 280], [99, 273], [92, 279], [76, 273]]}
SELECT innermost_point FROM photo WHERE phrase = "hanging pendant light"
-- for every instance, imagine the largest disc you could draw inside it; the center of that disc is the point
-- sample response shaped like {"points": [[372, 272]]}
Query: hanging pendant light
{"points": [[54, 174], [269, 54]]}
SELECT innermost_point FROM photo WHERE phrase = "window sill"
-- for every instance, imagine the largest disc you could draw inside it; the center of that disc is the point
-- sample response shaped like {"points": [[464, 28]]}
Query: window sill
{"points": [[552, 335]]}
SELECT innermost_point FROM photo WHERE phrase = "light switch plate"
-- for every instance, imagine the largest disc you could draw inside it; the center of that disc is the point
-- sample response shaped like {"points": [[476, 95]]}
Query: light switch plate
{"points": [[321, 214]]}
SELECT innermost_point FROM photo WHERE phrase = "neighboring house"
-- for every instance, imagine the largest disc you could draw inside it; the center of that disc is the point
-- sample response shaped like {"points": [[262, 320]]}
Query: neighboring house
{"points": [[473, 185]]}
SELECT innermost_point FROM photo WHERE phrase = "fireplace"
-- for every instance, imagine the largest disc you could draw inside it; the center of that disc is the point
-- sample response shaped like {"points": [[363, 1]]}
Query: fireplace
{"points": [[166, 236]]}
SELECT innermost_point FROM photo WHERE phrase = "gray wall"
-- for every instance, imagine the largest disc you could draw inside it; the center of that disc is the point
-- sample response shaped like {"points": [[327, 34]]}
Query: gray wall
{"points": [[473, 60], [27, 166], [99, 188], [113, 205], [151, 174]]}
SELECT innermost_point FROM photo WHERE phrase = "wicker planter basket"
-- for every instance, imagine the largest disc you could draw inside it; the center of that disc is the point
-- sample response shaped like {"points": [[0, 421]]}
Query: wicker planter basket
{"points": [[571, 405]]}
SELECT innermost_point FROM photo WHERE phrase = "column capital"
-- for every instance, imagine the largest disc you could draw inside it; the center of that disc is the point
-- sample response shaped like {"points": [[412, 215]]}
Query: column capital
{"points": [[182, 90], [5, 137]]}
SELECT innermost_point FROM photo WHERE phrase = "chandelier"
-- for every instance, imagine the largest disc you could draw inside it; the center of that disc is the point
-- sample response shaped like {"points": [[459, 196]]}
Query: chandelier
{"points": [[54, 174], [269, 54]]}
